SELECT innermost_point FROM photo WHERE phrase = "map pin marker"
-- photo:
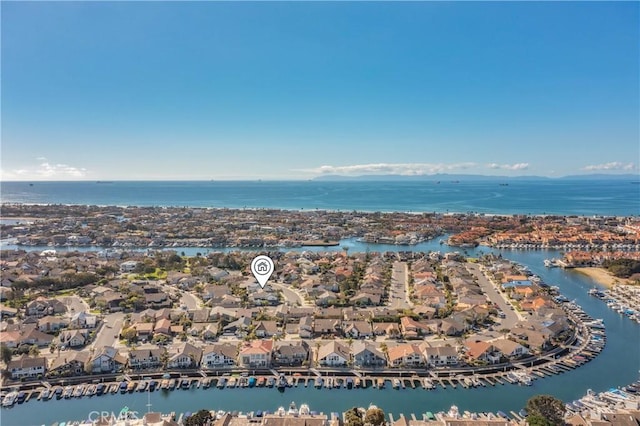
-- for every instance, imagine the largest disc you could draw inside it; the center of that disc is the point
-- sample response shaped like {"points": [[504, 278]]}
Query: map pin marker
{"points": [[262, 268]]}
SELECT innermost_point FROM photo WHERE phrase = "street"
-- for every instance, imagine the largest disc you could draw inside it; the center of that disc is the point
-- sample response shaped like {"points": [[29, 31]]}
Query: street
{"points": [[399, 290], [511, 316], [291, 296]]}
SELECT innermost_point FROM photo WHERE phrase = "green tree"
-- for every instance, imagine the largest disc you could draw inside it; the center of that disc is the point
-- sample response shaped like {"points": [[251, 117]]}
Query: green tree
{"points": [[352, 417], [546, 407], [34, 351], [537, 420], [5, 353], [129, 334], [201, 418], [374, 416]]}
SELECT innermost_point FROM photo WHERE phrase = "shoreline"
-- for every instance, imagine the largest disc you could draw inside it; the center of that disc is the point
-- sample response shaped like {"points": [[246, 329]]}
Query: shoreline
{"points": [[602, 276]]}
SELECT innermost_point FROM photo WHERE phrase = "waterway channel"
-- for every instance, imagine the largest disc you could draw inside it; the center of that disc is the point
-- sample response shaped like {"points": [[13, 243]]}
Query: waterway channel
{"points": [[617, 365]]}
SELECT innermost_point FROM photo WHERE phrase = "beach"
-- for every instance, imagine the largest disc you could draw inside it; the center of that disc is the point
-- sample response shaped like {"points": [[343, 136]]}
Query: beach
{"points": [[602, 276]]}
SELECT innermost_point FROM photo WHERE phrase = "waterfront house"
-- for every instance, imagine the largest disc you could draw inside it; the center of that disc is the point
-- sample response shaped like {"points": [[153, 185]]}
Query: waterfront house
{"points": [[509, 348], [184, 355], [256, 354], [482, 351], [405, 355], [219, 355], [68, 363], [107, 360], [367, 355], [333, 354], [290, 353], [27, 367], [143, 359], [440, 356]]}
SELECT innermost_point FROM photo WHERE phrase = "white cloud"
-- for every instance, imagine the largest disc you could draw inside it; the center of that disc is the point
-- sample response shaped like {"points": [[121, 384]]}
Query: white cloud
{"points": [[516, 166], [614, 165], [407, 169], [44, 171]]}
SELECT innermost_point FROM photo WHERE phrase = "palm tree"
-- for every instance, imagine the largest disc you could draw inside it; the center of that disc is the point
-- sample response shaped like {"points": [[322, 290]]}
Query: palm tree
{"points": [[317, 345], [504, 332], [384, 349]]}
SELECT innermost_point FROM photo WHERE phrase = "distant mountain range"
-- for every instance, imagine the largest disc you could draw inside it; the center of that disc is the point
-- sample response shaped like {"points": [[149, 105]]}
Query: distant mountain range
{"points": [[445, 177]]}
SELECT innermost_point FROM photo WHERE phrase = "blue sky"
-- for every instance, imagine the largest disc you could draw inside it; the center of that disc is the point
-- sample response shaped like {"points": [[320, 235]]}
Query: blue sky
{"points": [[220, 90]]}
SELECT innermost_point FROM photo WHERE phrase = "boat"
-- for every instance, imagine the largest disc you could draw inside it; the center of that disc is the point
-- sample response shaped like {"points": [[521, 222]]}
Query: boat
{"points": [[172, 384], [221, 383], [22, 396], [304, 410], [164, 384], [232, 382], [131, 386], [206, 383], [357, 382], [396, 383], [142, 386], [261, 381], [186, 384], [318, 382], [10, 399], [100, 389], [349, 383], [380, 383], [271, 382], [293, 410], [44, 395], [58, 392], [68, 392], [123, 387], [252, 381]]}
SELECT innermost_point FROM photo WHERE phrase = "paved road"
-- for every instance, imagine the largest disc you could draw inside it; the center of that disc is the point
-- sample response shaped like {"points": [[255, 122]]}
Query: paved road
{"points": [[190, 301], [108, 334], [399, 290], [511, 316], [291, 295], [75, 304]]}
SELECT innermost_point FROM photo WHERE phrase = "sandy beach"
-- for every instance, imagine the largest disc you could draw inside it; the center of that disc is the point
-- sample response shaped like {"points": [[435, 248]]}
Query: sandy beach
{"points": [[602, 276]]}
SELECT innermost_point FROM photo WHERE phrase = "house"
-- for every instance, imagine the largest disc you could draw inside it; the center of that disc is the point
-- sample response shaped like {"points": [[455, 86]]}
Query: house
{"points": [[367, 355], [509, 348], [219, 355], [144, 330], [412, 329], [73, 338], [357, 329], [333, 354], [405, 355], [237, 327], [389, 329], [42, 307], [323, 326], [83, 320], [143, 359], [267, 329], [290, 353], [186, 355], [482, 351], [305, 327], [51, 324], [256, 354], [162, 326], [128, 266], [69, 363], [107, 360], [26, 367], [440, 356]]}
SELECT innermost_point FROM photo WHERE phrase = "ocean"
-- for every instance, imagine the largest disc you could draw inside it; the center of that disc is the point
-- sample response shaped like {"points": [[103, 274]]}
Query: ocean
{"points": [[559, 196]]}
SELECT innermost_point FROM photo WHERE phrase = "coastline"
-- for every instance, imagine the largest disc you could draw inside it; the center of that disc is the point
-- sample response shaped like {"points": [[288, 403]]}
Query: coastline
{"points": [[602, 276]]}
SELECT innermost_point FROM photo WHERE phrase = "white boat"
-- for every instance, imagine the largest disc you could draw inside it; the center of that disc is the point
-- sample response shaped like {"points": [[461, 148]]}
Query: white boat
{"points": [[293, 409], [10, 399], [304, 410]]}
